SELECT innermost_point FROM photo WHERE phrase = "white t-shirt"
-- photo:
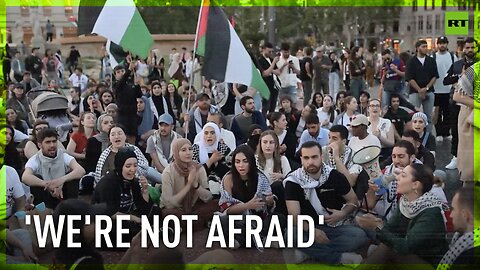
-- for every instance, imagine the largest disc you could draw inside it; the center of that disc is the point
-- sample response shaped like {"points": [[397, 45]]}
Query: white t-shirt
{"points": [[322, 116], [444, 62], [14, 188], [79, 82], [287, 77], [357, 144], [268, 169], [33, 164], [421, 59]]}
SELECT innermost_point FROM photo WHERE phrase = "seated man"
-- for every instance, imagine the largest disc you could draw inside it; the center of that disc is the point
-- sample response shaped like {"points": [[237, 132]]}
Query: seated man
{"points": [[159, 144], [244, 120], [397, 115], [339, 156], [317, 189], [464, 253], [314, 132], [421, 152], [360, 136], [51, 174]]}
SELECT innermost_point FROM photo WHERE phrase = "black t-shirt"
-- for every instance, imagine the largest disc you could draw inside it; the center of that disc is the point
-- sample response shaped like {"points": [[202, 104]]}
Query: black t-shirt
{"points": [[398, 119], [303, 71], [330, 194], [264, 65]]}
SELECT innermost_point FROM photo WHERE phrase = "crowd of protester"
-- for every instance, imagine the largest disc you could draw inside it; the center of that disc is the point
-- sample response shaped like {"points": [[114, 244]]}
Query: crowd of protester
{"points": [[147, 140]]}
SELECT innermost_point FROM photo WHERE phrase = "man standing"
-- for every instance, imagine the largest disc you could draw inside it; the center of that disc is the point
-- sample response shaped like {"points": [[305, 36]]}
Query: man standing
{"points": [[18, 67], [306, 74], [242, 122], [421, 75], [317, 189], [445, 60], [452, 77], [51, 174], [289, 67], [49, 30], [126, 94], [322, 66], [393, 71], [269, 69], [78, 79], [34, 64], [73, 59], [159, 144]]}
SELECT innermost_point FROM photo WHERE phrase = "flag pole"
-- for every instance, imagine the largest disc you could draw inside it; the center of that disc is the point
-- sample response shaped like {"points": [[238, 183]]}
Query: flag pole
{"points": [[190, 82]]}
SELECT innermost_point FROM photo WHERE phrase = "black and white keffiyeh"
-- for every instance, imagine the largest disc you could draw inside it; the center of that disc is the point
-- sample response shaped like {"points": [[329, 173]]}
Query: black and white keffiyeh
{"points": [[426, 201], [460, 243], [309, 185]]}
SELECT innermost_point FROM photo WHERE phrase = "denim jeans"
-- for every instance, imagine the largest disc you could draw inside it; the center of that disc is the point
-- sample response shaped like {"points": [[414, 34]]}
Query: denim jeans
{"points": [[333, 83], [357, 85], [290, 91], [345, 238], [427, 105]]}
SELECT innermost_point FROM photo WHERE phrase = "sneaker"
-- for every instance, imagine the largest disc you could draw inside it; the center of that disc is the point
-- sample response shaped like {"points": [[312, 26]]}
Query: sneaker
{"points": [[452, 165], [439, 139], [350, 258], [294, 256], [449, 137]]}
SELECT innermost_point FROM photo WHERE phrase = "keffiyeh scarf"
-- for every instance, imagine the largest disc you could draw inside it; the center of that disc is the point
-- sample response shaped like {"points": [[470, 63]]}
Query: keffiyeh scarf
{"points": [[426, 201], [459, 244]]}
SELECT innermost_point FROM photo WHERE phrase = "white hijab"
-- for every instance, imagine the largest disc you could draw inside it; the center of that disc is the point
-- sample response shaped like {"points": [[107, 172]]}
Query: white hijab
{"points": [[205, 149]]}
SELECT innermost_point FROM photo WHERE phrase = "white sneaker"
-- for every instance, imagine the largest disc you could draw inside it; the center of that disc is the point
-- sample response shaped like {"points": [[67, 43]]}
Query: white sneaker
{"points": [[350, 258], [452, 165], [439, 139]]}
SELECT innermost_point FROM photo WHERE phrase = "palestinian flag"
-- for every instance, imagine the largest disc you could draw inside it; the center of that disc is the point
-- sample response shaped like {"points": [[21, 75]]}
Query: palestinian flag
{"points": [[121, 23], [226, 59], [116, 53]]}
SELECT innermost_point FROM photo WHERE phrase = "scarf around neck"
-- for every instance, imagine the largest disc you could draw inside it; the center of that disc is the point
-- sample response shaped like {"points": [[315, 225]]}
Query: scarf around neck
{"points": [[309, 185], [426, 201], [460, 243], [51, 168]]}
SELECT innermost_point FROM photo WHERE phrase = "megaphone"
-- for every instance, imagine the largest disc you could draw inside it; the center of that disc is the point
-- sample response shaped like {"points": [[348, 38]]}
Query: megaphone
{"points": [[367, 157]]}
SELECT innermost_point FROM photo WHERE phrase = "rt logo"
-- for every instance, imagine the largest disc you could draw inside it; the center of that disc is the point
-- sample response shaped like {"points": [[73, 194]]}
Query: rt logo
{"points": [[456, 23]]}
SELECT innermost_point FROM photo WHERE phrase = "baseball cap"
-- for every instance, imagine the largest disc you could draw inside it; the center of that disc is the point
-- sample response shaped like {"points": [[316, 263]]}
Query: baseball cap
{"points": [[165, 118], [358, 120], [201, 96], [442, 39]]}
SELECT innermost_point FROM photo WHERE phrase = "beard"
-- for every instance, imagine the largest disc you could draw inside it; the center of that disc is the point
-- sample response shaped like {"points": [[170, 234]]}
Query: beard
{"points": [[312, 169]]}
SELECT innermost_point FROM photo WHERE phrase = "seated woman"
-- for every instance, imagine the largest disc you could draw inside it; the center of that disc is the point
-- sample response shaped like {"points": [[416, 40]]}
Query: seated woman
{"points": [[78, 140], [327, 113], [124, 193], [117, 140], [12, 157], [268, 158], [416, 231], [419, 124], [31, 147], [287, 140], [185, 187], [210, 152], [14, 121], [146, 120], [317, 100], [246, 190], [381, 127]]}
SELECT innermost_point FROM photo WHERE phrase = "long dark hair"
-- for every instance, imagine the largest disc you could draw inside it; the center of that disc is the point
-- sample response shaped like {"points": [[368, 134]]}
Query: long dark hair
{"points": [[423, 175], [331, 111], [244, 190], [177, 98], [314, 99]]}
